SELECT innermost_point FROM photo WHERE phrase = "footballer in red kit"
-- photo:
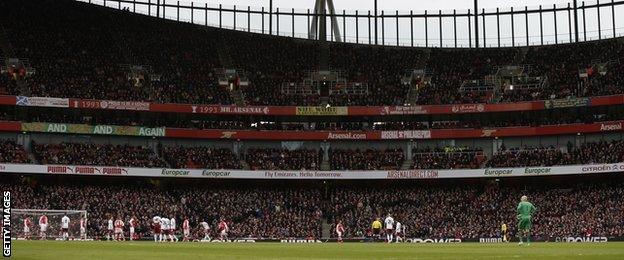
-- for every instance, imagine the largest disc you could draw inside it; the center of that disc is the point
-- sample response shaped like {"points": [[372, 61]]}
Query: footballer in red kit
{"points": [[340, 231], [43, 226], [223, 230]]}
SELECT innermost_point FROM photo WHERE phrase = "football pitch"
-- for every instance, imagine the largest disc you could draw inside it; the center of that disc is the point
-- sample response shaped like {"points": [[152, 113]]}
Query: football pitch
{"points": [[151, 250]]}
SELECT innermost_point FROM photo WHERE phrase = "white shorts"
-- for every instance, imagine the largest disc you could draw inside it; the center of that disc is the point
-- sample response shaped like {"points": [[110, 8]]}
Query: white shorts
{"points": [[83, 230], [118, 231], [339, 233], [187, 232], [26, 230], [43, 228], [131, 229], [223, 232]]}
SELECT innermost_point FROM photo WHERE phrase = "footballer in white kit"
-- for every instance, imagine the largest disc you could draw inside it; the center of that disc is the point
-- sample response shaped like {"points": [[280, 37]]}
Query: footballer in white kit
{"points": [[172, 227], [109, 234], [398, 231], [83, 228], [133, 224], [389, 222], [164, 225], [206, 228], [65, 227]]}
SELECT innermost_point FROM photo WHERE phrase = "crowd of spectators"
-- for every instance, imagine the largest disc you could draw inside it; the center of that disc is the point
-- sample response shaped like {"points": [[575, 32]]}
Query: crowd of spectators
{"points": [[84, 59], [96, 154], [474, 211], [200, 157], [283, 159], [11, 152], [366, 159], [447, 158], [586, 153], [460, 210], [206, 157], [288, 213]]}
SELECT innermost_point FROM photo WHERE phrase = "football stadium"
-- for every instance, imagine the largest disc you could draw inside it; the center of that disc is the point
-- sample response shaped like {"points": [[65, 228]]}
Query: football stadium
{"points": [[325, 129]]}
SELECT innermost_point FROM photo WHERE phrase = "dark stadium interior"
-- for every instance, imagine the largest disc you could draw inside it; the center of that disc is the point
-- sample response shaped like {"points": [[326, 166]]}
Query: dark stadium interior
{"points": [[214, 101]]}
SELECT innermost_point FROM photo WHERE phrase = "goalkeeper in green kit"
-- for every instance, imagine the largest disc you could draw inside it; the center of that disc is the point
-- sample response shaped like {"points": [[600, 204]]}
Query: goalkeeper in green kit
{"points": [[525, 213]]}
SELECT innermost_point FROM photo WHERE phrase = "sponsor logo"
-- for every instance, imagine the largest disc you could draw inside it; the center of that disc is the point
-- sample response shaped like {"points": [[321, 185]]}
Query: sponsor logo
{"points": [[488, 132], [22, 101], [171, 172], [537, 170], [433, 240], [244, 110], [303, 175], [348, 135], [59, 169], [610, 126], [498, 172], [491, 240], [415, 134], [114, 171], [6, 224], [602, 168], [227, 135], [246, 240], [124, 105], [415, 110], [215, 174], [300, 241], [413, 174], [583, 239], [469, 108], [574, 102], [194, 108], [321, 111]]}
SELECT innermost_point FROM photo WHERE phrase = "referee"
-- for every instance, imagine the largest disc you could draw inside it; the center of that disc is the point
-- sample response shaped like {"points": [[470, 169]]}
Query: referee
{"points": [[376, 228]]}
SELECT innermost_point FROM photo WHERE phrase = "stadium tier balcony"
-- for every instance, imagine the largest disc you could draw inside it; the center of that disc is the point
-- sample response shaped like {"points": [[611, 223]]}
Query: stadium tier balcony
{"points": [[10, 152], [368, 159], [587, 153], [201, 157], [96, 154], [283, 159], [91, 60], [447, 158]]}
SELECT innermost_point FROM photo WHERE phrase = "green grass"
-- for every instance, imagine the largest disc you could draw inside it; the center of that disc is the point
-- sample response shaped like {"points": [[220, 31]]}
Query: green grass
{"points": [[150, 250]]}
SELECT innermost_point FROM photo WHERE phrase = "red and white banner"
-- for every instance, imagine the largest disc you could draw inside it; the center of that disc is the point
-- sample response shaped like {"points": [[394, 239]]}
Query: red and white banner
{"points": [[109, 104], [304, 175], [292, 110]]}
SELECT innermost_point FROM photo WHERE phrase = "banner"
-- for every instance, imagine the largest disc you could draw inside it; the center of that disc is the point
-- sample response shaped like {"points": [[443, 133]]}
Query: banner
{"points": [[42, 101], [410, 134], [314, 175], [110, 104], [321, 111], [310, 111], [561, 103], [93, 129]]}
